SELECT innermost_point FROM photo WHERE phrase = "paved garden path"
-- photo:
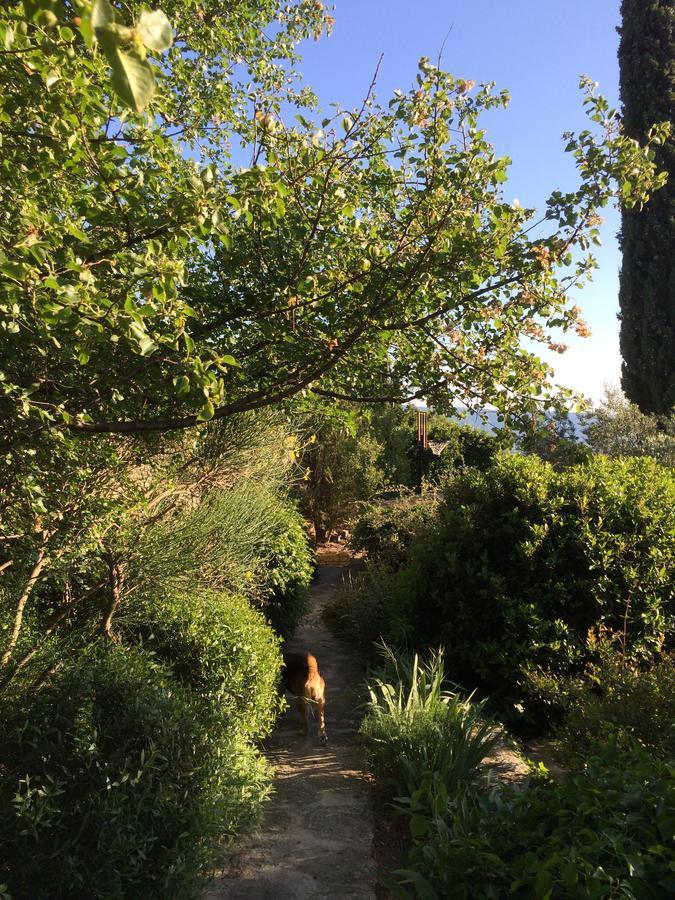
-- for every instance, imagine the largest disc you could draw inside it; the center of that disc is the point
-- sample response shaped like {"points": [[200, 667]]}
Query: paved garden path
{"points": [[317, 837]]}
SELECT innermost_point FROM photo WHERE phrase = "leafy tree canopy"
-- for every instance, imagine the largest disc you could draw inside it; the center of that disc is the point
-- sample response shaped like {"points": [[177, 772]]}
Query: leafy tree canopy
{"points": [[617, 427], [149, 282]]}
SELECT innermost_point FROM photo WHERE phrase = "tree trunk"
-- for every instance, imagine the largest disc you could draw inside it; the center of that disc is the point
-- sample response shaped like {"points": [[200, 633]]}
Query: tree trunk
{"points": [[41, 561], [116, 581]]}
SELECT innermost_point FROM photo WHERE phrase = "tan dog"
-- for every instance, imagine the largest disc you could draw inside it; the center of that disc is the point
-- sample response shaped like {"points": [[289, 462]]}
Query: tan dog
{"points": [[302, 678]]}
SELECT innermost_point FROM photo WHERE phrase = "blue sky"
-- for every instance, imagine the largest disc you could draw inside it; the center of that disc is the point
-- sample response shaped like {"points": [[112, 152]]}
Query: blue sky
{"points": [[537, 50]]}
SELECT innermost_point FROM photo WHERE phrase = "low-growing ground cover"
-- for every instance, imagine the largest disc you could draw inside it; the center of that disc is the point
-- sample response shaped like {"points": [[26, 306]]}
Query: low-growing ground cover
{"points": [[606, 830], [616, 698]]}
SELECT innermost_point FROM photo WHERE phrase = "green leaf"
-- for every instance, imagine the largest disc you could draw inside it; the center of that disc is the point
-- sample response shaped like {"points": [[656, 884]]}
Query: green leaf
{"points": [[15, 271], [50, 77], [145, 343], [418, 826], [132, 79], [155, 30], [77, 232], [206, 412], [8, 38], [102, 14], [182, 384], [543, 885], [131, 74]]}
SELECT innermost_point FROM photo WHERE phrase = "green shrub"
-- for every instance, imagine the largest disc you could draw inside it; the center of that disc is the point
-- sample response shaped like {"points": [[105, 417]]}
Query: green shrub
{"points": [[118, 782], [287, 573], [617, 699], [467, 448], [216, 645], [247, 539], [617, 427], [414, 728], [524, 560], [604, 833], [222, 542], [120, 778], [343, 466], [364, 610], [385, 531]]}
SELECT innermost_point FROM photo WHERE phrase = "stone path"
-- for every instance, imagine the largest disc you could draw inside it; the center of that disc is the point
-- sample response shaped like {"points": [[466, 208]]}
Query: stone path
{"points": [[317, 838]]}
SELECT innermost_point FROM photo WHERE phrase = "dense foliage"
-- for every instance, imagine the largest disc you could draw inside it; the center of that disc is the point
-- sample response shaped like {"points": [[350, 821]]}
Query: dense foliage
{"points": [[287, 573], [122, 517], [144, 607], [614, 698], [149, 282], [616, 427], [216, 645], [647, 286], [521, 561], [343, 463], [605, 832], [458, 447], [385, 532], [354, 454], [119, 781]]}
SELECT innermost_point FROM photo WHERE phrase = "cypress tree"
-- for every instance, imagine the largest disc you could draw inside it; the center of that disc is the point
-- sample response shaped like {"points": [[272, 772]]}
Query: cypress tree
{"points": [[647, 287]]}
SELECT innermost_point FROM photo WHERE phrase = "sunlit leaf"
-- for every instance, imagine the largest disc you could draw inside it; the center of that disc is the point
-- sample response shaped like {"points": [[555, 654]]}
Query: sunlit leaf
{"points": [[155, 30]]}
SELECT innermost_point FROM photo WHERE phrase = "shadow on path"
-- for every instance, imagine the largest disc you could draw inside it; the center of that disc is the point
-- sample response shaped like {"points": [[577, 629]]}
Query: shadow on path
{"points": [[316, 840]]}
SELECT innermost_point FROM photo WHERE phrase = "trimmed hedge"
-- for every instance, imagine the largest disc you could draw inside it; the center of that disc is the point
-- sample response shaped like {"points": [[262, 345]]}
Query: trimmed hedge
{"points": [[216, 645]]}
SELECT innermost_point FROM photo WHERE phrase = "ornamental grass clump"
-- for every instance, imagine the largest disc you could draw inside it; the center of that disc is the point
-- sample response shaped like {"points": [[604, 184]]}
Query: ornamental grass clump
{"points": [[415, 726]]}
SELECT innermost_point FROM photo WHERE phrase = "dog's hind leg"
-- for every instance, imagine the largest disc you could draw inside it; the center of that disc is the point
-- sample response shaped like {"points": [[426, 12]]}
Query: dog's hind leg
{"points": [[323, 737], [301, 704]]}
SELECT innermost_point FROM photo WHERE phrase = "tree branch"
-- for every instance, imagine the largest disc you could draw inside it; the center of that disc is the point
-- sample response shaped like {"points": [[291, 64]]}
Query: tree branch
{"points": [[41, 561], [116, 581]]}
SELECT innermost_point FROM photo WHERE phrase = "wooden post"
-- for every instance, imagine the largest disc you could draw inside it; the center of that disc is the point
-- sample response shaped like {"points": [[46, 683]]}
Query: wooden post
{"points": [[422, 442]]}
